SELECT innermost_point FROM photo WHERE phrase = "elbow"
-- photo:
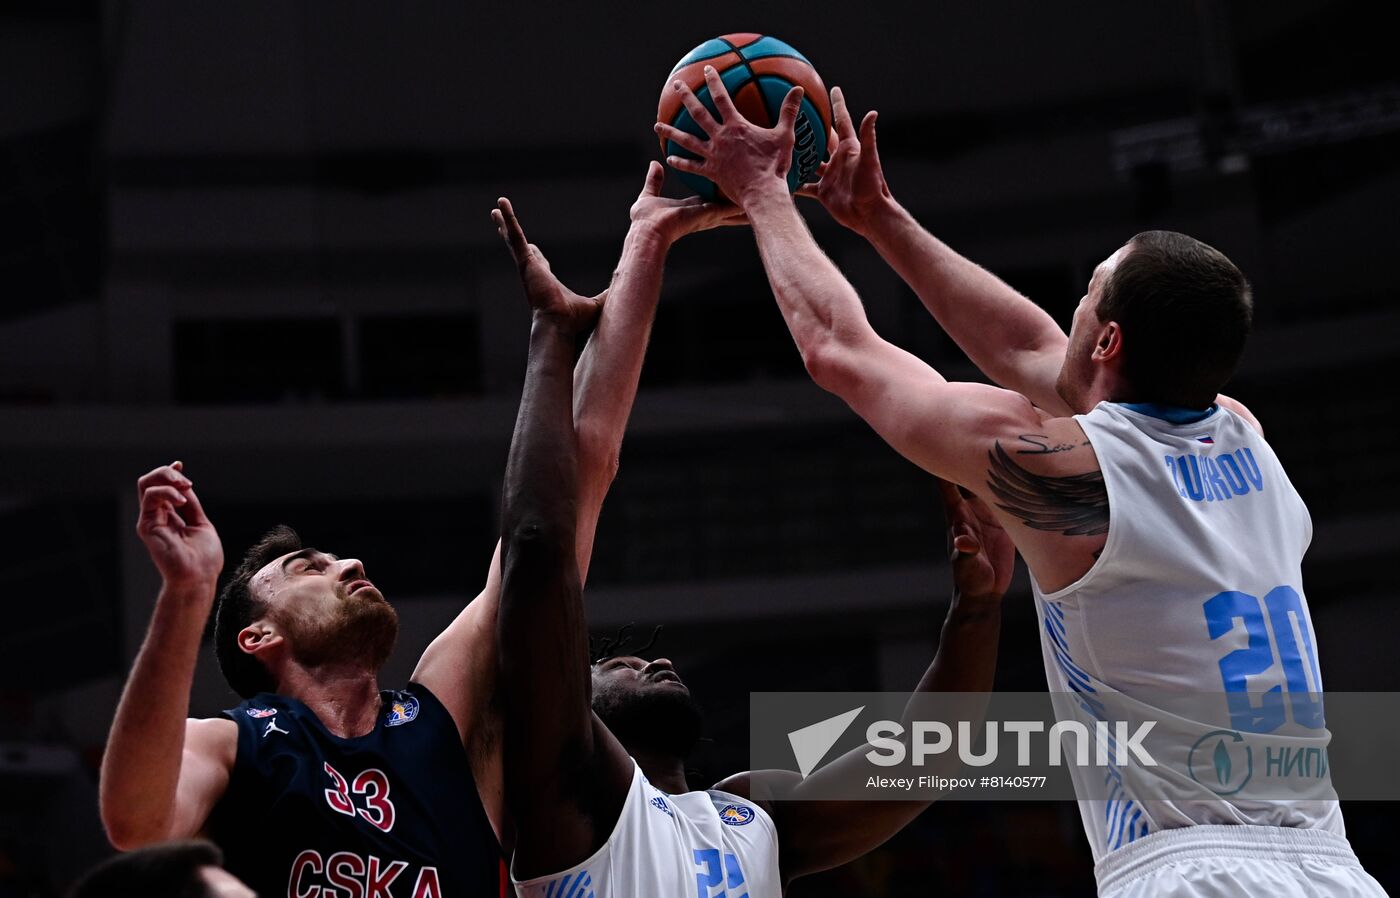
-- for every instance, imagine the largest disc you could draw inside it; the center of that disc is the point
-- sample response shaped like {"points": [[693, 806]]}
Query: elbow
{"points": [[599, 458], [837, 355], [123, 839], [129, 833], [828, 363], [535, 545], [534, 536]]}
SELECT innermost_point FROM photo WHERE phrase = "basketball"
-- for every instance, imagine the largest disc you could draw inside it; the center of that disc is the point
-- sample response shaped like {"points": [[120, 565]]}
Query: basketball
{"points": [[758, 71]]}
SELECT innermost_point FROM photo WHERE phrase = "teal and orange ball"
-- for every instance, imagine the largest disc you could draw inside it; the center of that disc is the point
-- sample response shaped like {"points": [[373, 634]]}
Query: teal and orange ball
{"points": [[758, 71]]}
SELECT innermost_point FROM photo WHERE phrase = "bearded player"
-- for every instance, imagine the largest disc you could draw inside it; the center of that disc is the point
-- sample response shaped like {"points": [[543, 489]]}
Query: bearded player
{"points": [[320, 780], [594, 769], [1164, 539]]}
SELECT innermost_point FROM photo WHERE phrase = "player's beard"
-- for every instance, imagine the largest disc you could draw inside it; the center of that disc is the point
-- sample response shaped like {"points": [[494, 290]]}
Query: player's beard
{"points": [[664, 720], [361, 632]]}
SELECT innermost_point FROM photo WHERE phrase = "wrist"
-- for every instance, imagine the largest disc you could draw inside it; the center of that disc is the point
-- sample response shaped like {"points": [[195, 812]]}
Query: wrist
{"points": [[763, 190], [191, 584], [883, 221], [192, 594], [973, 606], [650, 237], [547, 324]]}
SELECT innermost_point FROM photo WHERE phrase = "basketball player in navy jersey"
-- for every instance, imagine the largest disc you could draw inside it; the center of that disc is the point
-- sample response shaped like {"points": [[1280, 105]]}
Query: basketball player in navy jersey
{"points": [[321, 781], [594, 758], [1163, 536]]}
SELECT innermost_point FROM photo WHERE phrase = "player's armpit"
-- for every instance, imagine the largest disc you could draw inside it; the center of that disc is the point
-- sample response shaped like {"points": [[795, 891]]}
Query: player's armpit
{"points": [[211, 747]]}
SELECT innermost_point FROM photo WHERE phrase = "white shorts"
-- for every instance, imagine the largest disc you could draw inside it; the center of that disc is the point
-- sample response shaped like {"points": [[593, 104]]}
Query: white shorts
{"points": [[1234, 861]]}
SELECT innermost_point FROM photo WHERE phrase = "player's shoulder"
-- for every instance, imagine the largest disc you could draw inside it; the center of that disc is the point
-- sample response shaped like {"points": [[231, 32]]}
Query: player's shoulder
{"points": [[1242, 411], [984, 414], [215, 738], [731, 794], [1045, 444]]}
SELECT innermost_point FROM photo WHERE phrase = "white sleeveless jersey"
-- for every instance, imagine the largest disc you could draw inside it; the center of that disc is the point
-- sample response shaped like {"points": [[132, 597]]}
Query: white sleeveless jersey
{"points": [[694, 845], [1199, 590]]}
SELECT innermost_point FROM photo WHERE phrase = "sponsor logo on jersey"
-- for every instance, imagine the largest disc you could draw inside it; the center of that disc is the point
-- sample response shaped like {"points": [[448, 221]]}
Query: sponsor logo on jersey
{"points": [[660, 804], [272, 727], [401, 710], [260, 713], [736, 814], [1221, 761]]}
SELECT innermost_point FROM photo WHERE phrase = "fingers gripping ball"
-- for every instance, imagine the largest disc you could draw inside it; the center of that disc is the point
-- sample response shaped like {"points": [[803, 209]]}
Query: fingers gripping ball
{"points": [[758, 71]]}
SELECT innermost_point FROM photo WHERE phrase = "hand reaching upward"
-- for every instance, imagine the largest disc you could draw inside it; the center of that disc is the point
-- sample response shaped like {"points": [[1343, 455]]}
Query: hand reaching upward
{"points": [[178, 535], [983, 555], [737, 154], [545, 293], [674, 219], [852, 184]]}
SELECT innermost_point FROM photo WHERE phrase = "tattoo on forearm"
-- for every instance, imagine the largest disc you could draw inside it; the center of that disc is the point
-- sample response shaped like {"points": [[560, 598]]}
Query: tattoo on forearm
{"points": [[1075, 505], [1040, 445]]}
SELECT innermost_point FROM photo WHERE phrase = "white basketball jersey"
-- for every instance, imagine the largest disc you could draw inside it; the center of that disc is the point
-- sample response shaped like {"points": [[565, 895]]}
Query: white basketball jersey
{"points": [[1198, 589], [695, 845]]}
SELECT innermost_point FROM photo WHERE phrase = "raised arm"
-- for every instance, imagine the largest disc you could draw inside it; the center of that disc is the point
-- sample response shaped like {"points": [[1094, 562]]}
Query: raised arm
{"points": [[162, 773], [605, 383], [817, 835], [460, 665], [946, 428], [1011, 339], [561, 770]]}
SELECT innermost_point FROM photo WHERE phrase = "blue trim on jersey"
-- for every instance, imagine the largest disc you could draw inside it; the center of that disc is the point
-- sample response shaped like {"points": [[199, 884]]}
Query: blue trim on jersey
{"points": [[1124, 819], [1056, 638], [1172, 414]]}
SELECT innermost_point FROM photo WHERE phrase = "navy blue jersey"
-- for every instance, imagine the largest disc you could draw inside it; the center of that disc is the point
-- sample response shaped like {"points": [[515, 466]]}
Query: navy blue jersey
{"points": [[391, 814]]}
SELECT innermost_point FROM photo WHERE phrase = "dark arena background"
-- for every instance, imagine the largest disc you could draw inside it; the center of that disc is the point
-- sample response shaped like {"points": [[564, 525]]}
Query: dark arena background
{"points": [[255, 237]]}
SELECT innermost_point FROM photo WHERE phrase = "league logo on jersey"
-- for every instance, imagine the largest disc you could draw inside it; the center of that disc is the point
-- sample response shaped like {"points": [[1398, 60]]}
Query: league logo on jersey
{"points": [[260, 713], [736, 814], [403, 709]]}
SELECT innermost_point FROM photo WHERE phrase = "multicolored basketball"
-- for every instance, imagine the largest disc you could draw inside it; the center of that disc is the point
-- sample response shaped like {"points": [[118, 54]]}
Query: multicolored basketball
{"points": [[758, 71]]}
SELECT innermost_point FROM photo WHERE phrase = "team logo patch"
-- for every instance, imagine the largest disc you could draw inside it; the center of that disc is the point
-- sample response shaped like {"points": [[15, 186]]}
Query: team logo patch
{"points": [[660, 804], [736, 814], [401, 710], [260, 713]]}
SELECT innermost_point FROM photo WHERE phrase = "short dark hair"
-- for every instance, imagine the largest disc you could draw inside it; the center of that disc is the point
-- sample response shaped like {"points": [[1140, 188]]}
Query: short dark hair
{"points": [[170, 870], [619, 644], [1185, 310], [238, 608]]}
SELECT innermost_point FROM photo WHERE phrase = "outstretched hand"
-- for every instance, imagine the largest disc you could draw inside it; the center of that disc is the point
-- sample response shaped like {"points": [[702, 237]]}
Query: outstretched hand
{"points": [[851, 183], [983, 555], [738, 155], [178, 535], [674, 219], [545, 293]]}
